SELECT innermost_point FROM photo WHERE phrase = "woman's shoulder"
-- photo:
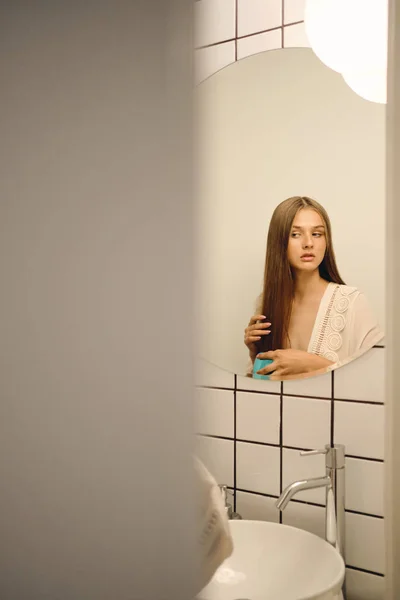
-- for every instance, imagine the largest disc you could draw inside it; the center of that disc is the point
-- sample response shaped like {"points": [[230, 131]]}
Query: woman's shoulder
{"points": [[348, 290]]}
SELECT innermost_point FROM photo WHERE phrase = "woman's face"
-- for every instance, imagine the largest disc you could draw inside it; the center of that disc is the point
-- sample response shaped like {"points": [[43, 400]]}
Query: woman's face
{"points": [[307, 240]]}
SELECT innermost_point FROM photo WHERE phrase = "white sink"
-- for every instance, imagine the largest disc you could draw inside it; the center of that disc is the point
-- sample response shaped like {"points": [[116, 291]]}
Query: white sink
{"points": [[277, 562]]}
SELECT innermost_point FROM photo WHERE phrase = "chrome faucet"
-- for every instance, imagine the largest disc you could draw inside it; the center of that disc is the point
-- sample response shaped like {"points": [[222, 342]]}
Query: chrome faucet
{"points": [[228, 507], [334, 484]]}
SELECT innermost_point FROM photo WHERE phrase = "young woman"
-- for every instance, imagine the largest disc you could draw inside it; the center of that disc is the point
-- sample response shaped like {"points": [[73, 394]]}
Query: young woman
{"points": [[307, 318]]}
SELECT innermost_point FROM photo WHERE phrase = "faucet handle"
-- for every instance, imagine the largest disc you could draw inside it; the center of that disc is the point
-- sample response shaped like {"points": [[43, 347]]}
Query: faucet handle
{"points": [[224, 492], [313, 452]]}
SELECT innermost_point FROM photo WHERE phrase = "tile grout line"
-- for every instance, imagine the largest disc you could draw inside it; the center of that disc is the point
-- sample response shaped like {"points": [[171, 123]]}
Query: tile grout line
{"points": [[308, 397], [234, 444], [281, 448], [271, 445], [236, 31], [365, 571], [246, 36], [332, 441], [308, 503]]}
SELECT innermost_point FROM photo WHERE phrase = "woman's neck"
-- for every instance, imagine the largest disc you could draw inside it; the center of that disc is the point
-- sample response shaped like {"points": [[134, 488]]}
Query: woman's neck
{"points": [[307, 285]]}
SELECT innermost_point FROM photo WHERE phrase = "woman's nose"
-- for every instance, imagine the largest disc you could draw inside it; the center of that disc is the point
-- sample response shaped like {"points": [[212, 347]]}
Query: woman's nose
{"points": [[308, 242]]}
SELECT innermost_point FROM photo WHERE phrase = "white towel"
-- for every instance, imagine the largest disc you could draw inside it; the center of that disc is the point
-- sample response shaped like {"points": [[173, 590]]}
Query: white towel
{"points": [[214, 537]]}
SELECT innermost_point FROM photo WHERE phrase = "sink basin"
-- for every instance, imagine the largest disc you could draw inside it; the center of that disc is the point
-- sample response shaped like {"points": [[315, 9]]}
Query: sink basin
{"points": [[277, 562]]}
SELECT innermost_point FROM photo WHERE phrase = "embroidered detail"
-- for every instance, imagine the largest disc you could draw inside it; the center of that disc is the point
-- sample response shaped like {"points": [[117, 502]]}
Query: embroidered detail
{"points": [[331, 356], [337, 323], [346, 291], [324, 325], [328, 338], [334, 341], [342, 304]]}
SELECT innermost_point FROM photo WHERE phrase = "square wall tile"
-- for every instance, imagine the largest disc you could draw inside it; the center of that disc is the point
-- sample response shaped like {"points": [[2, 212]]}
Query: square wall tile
{"points": [[214, 412], [360, 427], [258, 385], [256, 508], [217, 456], [365, 486], [296, 467], [258, 468], [258, 15], [304, 516], [306, 422], [214, 21], [294, 10], [259, 43], [207, 62], [294, 36], [363, 586], [318, 387], [257, 417], [363, 378], [365, 543]]}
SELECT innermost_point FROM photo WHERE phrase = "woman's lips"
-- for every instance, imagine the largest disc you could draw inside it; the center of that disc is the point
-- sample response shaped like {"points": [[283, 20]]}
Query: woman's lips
{"points": [[307, 257]]}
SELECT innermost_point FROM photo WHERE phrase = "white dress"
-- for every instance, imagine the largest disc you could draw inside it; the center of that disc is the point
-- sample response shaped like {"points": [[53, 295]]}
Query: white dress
{"points": [[344, 328], [345, 325]]}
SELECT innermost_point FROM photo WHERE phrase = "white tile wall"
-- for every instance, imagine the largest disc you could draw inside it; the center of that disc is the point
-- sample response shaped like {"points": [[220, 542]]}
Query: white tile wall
{"points": [[363, 586], [296, 467], [259, 43], [305, 516], [257, 468], [258, 417], [365, 542], [256, 508], [362, 379], [293, 11], [258, 385], [214, 412], [360, 428], [358, 425], [217, 455], [214, 21], [295, 36], [318, 387], [306, 422], [364, 486], [258, 15]]}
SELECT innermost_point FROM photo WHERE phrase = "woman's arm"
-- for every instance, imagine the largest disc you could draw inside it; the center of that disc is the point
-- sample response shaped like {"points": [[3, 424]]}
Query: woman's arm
{"points": [[288, 363]]}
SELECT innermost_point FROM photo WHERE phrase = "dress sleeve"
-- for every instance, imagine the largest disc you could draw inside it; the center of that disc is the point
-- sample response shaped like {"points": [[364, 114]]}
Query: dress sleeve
{"points": [[365, 331]]}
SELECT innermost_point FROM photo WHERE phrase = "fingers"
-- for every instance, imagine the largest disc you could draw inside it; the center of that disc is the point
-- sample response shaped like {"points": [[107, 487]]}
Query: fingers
{"points": [[268, 369], [257, 332], [271, 355], [259, 329], [256, 318]]}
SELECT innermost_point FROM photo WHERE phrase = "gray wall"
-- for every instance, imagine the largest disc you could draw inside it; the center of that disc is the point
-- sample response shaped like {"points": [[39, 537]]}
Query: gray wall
{"points": [[95, 334]]}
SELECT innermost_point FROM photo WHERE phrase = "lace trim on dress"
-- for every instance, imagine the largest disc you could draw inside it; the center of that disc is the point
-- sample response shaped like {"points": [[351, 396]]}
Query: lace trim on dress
{"points": [[329, 340]]}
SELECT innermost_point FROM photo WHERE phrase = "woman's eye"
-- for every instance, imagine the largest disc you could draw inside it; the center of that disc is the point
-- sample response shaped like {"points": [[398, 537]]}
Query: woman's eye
{"points": [[295, 234]]}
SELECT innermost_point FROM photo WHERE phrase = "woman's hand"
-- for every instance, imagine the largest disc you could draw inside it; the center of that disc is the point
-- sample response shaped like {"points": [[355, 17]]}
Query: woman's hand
{"points": [[287, 363], [253, 333]]}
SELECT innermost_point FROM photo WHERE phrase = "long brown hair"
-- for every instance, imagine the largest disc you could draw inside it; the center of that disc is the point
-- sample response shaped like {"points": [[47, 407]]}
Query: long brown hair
{"points": [[278, 291]]}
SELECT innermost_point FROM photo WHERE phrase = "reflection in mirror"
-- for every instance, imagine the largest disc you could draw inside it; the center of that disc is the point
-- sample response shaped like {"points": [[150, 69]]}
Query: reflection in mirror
{"points": [[306, 318], [292, 287]]}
